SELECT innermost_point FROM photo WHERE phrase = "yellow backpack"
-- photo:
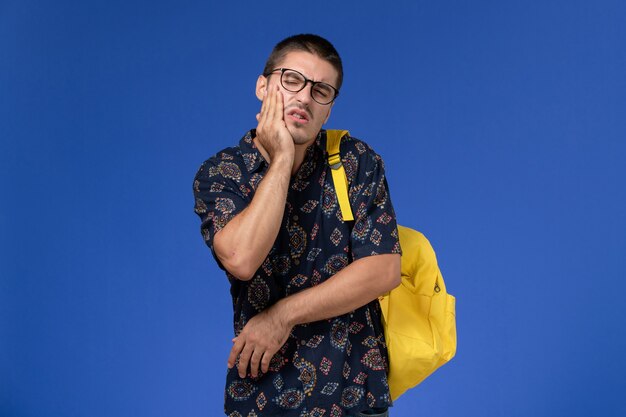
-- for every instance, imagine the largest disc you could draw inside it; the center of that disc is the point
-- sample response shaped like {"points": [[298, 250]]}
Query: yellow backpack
{"points": [[418, 315]]}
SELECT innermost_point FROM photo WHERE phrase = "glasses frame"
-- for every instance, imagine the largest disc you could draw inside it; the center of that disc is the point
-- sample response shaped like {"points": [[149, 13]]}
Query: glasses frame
{"points": [[306, 81]]}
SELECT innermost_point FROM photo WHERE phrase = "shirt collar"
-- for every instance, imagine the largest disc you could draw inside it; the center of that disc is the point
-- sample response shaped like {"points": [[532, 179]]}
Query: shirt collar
{"points": [[250, 153]]}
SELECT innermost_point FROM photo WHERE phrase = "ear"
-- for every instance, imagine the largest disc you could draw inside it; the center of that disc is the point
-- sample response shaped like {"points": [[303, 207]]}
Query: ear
{"points": [[261, 87]]}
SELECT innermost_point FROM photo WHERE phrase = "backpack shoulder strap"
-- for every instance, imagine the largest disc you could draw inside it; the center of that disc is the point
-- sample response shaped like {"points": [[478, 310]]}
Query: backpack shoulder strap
{"points": [[333, 140]]}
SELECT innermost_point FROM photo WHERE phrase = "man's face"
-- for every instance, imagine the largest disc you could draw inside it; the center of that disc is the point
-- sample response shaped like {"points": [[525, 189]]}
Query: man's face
{"points": [[303, 116]]}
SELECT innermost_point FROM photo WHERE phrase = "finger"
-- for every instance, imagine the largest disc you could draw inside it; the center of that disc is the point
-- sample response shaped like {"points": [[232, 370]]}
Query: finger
{"points": [[265, 95], [278, 106], [271, 98], [244, 360], [254, 362], [265, 362], [267, 107], [264, 106], [235, 351]]}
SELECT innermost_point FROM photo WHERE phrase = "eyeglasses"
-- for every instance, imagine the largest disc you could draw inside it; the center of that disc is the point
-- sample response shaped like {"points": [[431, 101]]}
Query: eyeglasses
{"points": [[293, 81]]}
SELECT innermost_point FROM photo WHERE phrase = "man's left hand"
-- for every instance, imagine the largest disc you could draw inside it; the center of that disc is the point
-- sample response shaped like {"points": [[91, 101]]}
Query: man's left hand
{"points": [[259, 340]]}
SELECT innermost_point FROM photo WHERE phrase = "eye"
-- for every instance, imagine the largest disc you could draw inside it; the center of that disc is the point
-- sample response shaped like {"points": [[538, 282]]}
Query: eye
{"points": [[292, 79], [323, 91]]}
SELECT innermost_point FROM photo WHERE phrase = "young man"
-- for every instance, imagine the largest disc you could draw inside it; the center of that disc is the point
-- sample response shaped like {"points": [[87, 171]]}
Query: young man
{"points": [[304, 283]]}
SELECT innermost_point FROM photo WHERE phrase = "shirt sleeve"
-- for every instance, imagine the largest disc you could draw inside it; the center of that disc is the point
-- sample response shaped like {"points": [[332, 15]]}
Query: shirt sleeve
{"points": [[218, 197], [375, 230]]}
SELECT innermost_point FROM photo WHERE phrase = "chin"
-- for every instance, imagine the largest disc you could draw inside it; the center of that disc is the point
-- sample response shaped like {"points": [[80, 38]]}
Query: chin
{"points": [[302, 136]]}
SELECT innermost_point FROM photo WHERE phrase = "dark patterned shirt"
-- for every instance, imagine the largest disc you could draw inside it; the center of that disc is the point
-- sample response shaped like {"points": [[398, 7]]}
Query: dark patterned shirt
{"points": [[327, 368]]}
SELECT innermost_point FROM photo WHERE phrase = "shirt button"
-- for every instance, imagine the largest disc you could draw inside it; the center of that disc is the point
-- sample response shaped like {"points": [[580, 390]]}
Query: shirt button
{"points": [[297, 262], [295, 218], [303, 342]]}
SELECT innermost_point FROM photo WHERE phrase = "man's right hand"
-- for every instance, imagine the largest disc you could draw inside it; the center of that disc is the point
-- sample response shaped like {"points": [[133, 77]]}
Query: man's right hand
{"points": [[271, 131], [243, 244]]}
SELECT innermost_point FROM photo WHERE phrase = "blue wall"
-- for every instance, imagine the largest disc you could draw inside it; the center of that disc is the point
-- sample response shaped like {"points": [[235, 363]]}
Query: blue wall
{"points": [[503, 129]]}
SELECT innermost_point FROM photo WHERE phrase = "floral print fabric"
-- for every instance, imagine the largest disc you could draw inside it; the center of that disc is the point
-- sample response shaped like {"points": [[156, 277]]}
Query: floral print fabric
{"points": [[329, 368]]}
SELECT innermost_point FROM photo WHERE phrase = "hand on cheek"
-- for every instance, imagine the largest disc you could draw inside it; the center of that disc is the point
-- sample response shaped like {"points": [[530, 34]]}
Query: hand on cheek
{"points": [[271, 130]]}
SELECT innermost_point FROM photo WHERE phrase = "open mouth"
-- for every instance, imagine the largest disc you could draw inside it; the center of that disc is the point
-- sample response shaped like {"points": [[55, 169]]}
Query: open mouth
{"points": [[299, 116]]}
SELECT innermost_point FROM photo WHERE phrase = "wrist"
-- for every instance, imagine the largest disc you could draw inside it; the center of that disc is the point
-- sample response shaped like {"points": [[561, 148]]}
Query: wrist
{"points": [[284, 160], [284, 314]]}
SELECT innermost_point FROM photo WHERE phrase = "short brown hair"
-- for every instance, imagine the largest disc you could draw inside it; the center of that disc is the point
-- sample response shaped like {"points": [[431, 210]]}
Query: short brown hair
{"points": [[313, 44]]}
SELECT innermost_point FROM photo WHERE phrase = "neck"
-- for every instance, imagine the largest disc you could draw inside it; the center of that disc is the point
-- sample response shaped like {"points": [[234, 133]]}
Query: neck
{"points": [[300, 151]]}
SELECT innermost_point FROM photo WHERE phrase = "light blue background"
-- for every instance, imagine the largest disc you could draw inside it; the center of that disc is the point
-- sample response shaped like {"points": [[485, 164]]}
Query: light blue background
{"points": [[503, 129]]}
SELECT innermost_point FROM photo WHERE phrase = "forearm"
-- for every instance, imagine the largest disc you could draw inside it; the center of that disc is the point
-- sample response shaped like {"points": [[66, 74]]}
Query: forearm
{"points": [[354, 286], [245, 241]]}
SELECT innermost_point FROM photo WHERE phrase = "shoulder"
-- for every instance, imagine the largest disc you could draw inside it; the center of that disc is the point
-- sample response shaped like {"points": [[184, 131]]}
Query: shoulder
{"points": [[358, 147], [224, 161], [358, 157], [232, 162]]}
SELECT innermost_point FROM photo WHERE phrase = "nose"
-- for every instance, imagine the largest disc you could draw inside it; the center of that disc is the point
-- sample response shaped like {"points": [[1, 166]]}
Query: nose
{"points": [[304, 95]]}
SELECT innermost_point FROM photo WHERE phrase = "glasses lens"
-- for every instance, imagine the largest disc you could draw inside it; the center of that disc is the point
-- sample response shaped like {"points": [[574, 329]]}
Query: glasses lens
{"points": [[323, 93], [292, 81]]}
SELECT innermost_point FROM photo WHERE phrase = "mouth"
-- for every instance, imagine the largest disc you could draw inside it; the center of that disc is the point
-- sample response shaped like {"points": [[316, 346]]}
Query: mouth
{"points": [[298, 115]]}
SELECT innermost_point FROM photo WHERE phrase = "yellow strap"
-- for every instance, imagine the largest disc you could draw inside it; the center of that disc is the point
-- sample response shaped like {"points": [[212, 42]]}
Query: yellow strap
{"points": [[333, 140]]}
